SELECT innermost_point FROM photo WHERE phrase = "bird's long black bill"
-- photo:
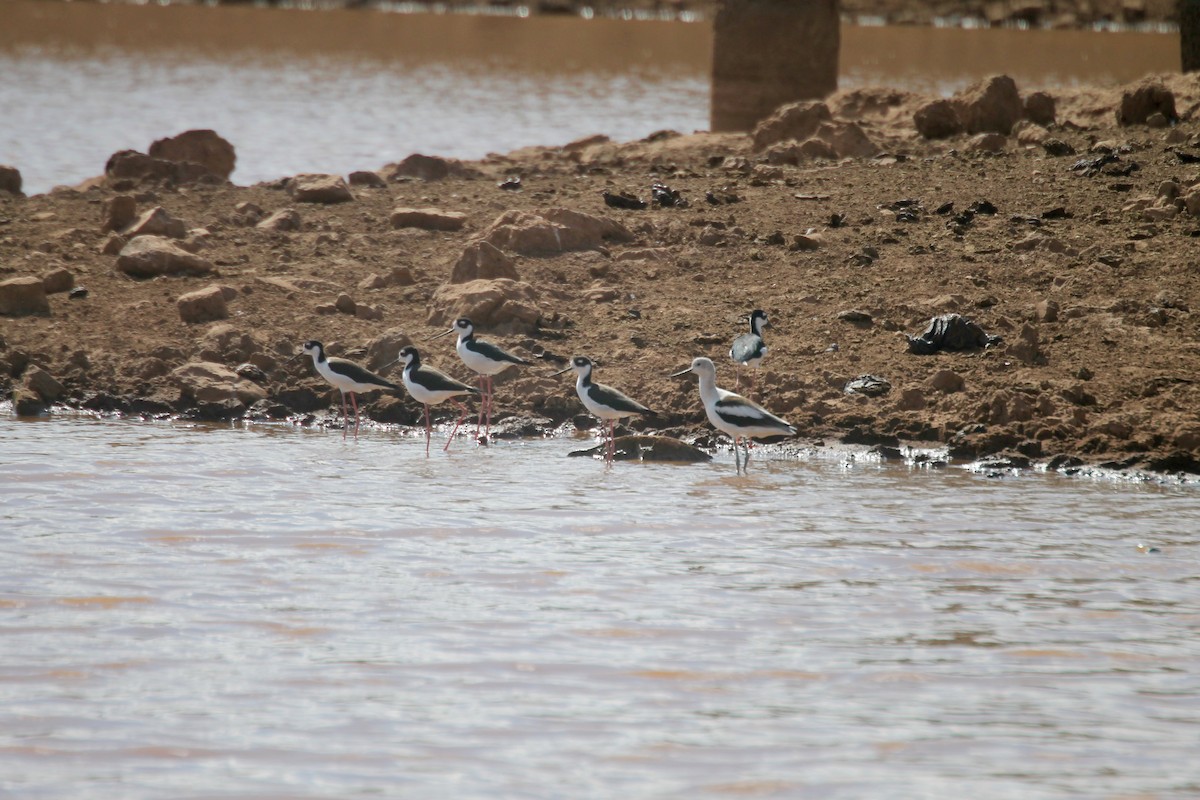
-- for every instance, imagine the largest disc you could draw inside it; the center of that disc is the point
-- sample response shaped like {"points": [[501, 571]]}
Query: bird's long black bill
{"points": [[440, 335]]}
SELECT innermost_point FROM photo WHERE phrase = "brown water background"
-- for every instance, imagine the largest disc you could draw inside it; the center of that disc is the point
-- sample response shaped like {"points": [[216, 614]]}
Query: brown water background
{"points": [[303, 91]]}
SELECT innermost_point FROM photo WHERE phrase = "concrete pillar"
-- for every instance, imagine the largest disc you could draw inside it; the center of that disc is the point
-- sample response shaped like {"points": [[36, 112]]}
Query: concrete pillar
{"points": [[770, 52], [1189, 34]]}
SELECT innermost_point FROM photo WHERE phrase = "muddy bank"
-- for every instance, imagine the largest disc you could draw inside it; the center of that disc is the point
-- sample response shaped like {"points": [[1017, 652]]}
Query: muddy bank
{"points": [[159, 288]]}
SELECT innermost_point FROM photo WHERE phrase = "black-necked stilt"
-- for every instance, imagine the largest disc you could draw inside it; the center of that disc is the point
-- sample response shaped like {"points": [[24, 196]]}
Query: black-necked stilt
{"points": [[484, 358], [602, 401], [749, 348], [346, 377], [428, 387], [733, 414]]}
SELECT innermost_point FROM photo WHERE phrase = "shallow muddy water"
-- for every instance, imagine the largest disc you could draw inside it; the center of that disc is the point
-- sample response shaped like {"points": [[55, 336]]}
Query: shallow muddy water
{"points": [[272, 612], [309, 91]]}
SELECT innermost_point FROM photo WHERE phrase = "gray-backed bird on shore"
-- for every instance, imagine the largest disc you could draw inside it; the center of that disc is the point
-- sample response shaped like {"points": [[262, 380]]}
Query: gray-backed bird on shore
{"points": [[749, 348]]}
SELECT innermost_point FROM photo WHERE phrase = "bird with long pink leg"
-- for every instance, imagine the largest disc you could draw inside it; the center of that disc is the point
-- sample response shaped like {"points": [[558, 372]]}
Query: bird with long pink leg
{"points": [[347, 377], [429, 386], [486, 359], [602, 401]]}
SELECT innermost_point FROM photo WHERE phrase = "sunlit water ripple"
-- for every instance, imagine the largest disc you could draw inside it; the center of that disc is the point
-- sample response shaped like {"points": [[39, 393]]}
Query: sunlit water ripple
{"points": [[272, 612]]}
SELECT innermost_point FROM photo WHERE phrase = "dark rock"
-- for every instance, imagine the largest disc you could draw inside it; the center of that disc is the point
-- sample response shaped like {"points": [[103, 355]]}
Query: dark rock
{"points": [[649, 448], [868, 385], [950, 332], [10, 179], [1057, 147], [203, 147], [623, 200], [1139, 104]]}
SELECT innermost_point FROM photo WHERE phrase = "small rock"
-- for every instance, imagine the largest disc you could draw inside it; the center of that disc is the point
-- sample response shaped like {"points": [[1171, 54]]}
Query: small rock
{"points": [[364, 311], [317, 188], [992, 105], [78, 293], [987, 143], [807, 242], [427, 168], [1046, 311], [345, 304], [371, 180], [946, 381], [203, 147], [1142, 102], [23, 296], [42, 383], [155, 222], [429, 219], [868, 385], [203, 305], [1040, 108], [911, 400], [855, 316], [209, 382], [482, 260], [148, 256], [285, 219], [118, 212], [58, 280], [1057, 148], [937, 120]]}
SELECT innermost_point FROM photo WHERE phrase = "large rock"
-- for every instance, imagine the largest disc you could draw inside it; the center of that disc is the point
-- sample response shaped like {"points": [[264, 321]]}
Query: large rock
{"points": [[938, 120], [553, 230], [992, 105], [319, 189], [802, 38], [203, 305], [503, 305], [428, 168], [483, 260], [847, 139], [429, 219], [202, 147], [10, 179], [148, 256], [209, 382], [1139, 104], [1041, 108], [135, 166], [797, 121], [156, 222], [22, 296], [385, 348]]}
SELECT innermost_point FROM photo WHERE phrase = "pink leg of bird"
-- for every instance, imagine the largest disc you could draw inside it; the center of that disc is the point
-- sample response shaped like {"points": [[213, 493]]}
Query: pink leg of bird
{"points": [[482, 383], [345, 416], [354, 402], [466, 412], [428, 430], [491, 387]]}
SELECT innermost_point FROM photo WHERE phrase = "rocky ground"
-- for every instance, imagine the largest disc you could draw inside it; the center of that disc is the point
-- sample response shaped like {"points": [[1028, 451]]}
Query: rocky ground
{"points": [[160, 288]]}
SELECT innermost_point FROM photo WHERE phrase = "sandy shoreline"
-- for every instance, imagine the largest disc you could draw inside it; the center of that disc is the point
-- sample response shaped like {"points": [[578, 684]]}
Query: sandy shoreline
{"points": [[1089, 277]]}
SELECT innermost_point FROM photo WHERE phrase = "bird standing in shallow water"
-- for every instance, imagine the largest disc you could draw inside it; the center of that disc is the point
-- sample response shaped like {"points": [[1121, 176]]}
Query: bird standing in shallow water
{"points": [[484, 358], [749, 348], [602, 401], [733, 414], [346, 377], [428, 387]]}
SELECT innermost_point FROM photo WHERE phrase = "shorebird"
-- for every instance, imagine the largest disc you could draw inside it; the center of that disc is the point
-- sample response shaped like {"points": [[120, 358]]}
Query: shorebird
{"points": [[484, 358], [733, 414], [428, 387], [602, 401], [749, 348], [346, 377]]}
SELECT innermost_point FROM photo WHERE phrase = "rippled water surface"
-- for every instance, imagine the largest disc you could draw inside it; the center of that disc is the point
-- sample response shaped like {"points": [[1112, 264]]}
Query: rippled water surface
{"points": [[311, 91], [271, 612]]}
